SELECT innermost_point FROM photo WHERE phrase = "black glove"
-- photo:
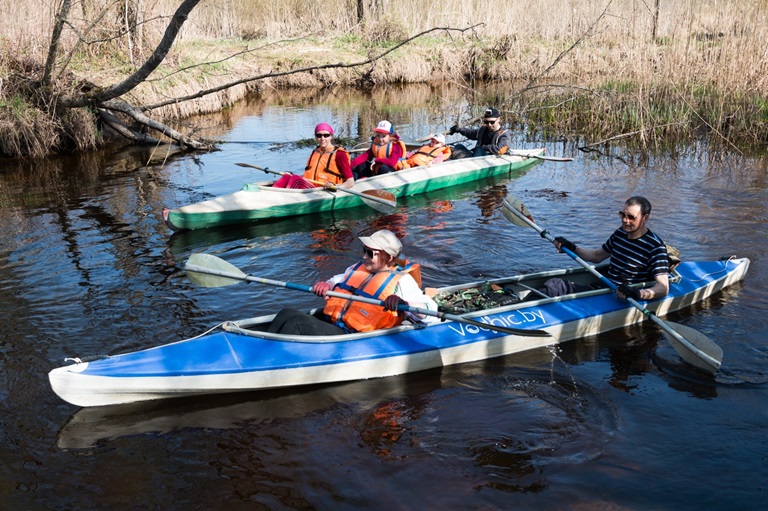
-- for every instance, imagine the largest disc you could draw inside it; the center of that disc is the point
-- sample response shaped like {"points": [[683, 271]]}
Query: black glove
{"points": [[629, 292], [453, 129], [392, 301], [564, 243]]}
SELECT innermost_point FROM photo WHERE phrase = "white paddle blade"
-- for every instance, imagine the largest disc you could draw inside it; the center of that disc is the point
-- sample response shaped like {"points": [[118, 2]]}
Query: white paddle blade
{"points": [[206, 270], [380, 200], [513, 208], [379, 205], [713, 354]]}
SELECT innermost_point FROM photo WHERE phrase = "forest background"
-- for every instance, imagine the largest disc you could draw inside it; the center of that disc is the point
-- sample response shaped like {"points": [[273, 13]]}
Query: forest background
{"points": [[647, 72]]}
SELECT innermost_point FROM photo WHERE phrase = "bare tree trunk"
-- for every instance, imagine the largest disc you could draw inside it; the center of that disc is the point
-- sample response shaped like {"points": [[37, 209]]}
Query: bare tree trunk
{"points": [[53, 48], [154, 60], [655, 21], [106, 101]]}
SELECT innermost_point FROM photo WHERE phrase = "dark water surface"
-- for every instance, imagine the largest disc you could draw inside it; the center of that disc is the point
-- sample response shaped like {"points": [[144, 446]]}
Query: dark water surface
{"points": [[87, 267]]}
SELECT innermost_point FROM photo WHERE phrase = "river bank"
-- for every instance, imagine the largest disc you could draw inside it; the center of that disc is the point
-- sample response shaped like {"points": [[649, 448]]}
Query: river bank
{"points": [[611, 73]]}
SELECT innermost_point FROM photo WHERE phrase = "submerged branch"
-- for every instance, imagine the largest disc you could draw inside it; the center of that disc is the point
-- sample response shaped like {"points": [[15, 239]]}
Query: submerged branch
{"points": [[588, 147], [138, 116]]}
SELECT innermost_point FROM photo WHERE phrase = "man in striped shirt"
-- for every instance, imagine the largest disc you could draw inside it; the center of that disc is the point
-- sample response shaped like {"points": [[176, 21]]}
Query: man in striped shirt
{"points": [[637, 255]]}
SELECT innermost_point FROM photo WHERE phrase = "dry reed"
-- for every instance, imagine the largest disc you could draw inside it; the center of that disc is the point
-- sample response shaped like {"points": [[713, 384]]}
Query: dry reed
{"points": [[695, 61]]}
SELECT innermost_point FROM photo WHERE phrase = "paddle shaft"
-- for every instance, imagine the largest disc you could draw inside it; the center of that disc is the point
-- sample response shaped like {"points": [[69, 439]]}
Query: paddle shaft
{"points": [[545, 234], [320, 183], [448, 132], [538, 157], [372, 301]]}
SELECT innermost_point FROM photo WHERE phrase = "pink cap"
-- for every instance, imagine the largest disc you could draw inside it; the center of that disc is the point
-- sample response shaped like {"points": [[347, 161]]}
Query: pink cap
{"points": [[323, 127]]}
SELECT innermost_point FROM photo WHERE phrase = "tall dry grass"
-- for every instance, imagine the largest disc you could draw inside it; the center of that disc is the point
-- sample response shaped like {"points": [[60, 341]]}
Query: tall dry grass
{"points": [[717, 41], [611, 67]]}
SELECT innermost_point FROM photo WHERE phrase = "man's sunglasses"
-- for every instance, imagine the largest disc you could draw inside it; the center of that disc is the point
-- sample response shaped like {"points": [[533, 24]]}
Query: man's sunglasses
{"points": [[623, 215]]}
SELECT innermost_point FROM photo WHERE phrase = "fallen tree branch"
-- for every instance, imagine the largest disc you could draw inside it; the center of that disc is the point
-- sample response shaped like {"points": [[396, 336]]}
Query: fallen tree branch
{"points": [[113, 122], [138, 116], [99, 96], [588, 147]]}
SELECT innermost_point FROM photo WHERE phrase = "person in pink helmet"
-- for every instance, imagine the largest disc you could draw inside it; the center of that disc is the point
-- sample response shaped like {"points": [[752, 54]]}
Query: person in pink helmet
{"points": [[328, 165]]}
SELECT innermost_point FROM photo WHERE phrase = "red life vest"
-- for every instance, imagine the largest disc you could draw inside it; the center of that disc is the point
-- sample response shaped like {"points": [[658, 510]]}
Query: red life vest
{"points": [[321, 166], [363, 317]]}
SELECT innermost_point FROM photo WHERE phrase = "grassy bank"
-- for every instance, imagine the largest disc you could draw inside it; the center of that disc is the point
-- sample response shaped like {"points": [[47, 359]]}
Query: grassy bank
{"points": [[608, 71]]}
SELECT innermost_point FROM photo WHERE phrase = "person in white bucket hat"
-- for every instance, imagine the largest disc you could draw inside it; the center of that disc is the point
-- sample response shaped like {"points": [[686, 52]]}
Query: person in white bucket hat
{"points": [[381, 275], [433, 152]]}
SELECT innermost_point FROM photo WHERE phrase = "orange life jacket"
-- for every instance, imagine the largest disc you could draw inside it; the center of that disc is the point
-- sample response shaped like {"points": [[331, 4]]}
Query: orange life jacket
{"points": [[321, 166], [363, 317], [384, 151], [426, 154]]}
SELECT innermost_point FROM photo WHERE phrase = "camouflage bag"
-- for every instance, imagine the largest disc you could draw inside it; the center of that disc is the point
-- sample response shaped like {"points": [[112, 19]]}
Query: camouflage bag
{"points": [[475, 299]]}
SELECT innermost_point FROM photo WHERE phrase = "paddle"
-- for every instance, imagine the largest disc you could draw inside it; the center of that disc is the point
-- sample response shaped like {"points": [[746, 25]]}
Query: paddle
{"points": [[508, 153], [448, 131], [207, 270], [537, 156], [380, 200], [408, 145], [692, 346]]}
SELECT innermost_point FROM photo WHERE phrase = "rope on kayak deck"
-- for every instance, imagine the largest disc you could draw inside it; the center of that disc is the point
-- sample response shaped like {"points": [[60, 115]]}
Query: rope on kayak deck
{"points": [[725, 261]]}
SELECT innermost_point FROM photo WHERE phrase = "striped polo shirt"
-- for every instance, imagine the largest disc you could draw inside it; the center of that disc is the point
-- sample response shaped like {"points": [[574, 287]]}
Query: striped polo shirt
{"points": [[634, 261]]}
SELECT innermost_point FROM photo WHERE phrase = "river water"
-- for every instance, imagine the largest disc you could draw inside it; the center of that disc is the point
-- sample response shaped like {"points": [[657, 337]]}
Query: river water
{"points": [[87, 267]]}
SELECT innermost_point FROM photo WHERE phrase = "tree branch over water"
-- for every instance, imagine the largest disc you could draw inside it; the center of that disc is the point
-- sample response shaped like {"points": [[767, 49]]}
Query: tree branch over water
{"points": [[276, 74], [98, 96], [106, 101]]}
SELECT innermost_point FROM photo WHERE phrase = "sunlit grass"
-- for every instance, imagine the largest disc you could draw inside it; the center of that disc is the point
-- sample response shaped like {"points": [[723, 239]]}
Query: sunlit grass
{"points": [[600, 69]]}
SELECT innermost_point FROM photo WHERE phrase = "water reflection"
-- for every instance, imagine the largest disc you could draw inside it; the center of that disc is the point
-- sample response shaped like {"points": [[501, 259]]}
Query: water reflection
{"points": [[88, 267]]}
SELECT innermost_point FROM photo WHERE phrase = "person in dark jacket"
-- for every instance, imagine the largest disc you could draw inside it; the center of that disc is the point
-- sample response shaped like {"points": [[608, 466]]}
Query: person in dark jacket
{"points": [[491, 138]]}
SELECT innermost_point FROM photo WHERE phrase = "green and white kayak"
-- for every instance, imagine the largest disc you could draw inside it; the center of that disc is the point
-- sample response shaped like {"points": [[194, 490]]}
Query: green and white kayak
{"points": [[258, 202]]}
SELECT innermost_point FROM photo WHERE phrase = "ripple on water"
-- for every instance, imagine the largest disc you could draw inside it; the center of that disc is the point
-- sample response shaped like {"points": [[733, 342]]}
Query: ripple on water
{"points": [[499, 432]]}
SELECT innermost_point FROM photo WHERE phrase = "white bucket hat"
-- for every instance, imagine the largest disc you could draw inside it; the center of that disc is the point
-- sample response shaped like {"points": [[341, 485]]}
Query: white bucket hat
{"points": [[383, 240]]}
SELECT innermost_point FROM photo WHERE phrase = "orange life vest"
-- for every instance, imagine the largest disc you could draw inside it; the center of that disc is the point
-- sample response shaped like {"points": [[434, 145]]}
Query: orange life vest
{"points": [[426, 154], [384, 151], [363, 317], [321, 166]]}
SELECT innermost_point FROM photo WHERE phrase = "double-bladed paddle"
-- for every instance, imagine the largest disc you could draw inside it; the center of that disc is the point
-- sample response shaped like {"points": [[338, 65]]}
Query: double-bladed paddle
{"points": [[380, 200], [448, 131], [207, 270], [508, 153], [537, 156], [692, 346]]}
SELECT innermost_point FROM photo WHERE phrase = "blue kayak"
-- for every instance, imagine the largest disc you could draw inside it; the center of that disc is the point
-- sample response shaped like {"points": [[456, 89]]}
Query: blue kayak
{"points": [[240, 356]]}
